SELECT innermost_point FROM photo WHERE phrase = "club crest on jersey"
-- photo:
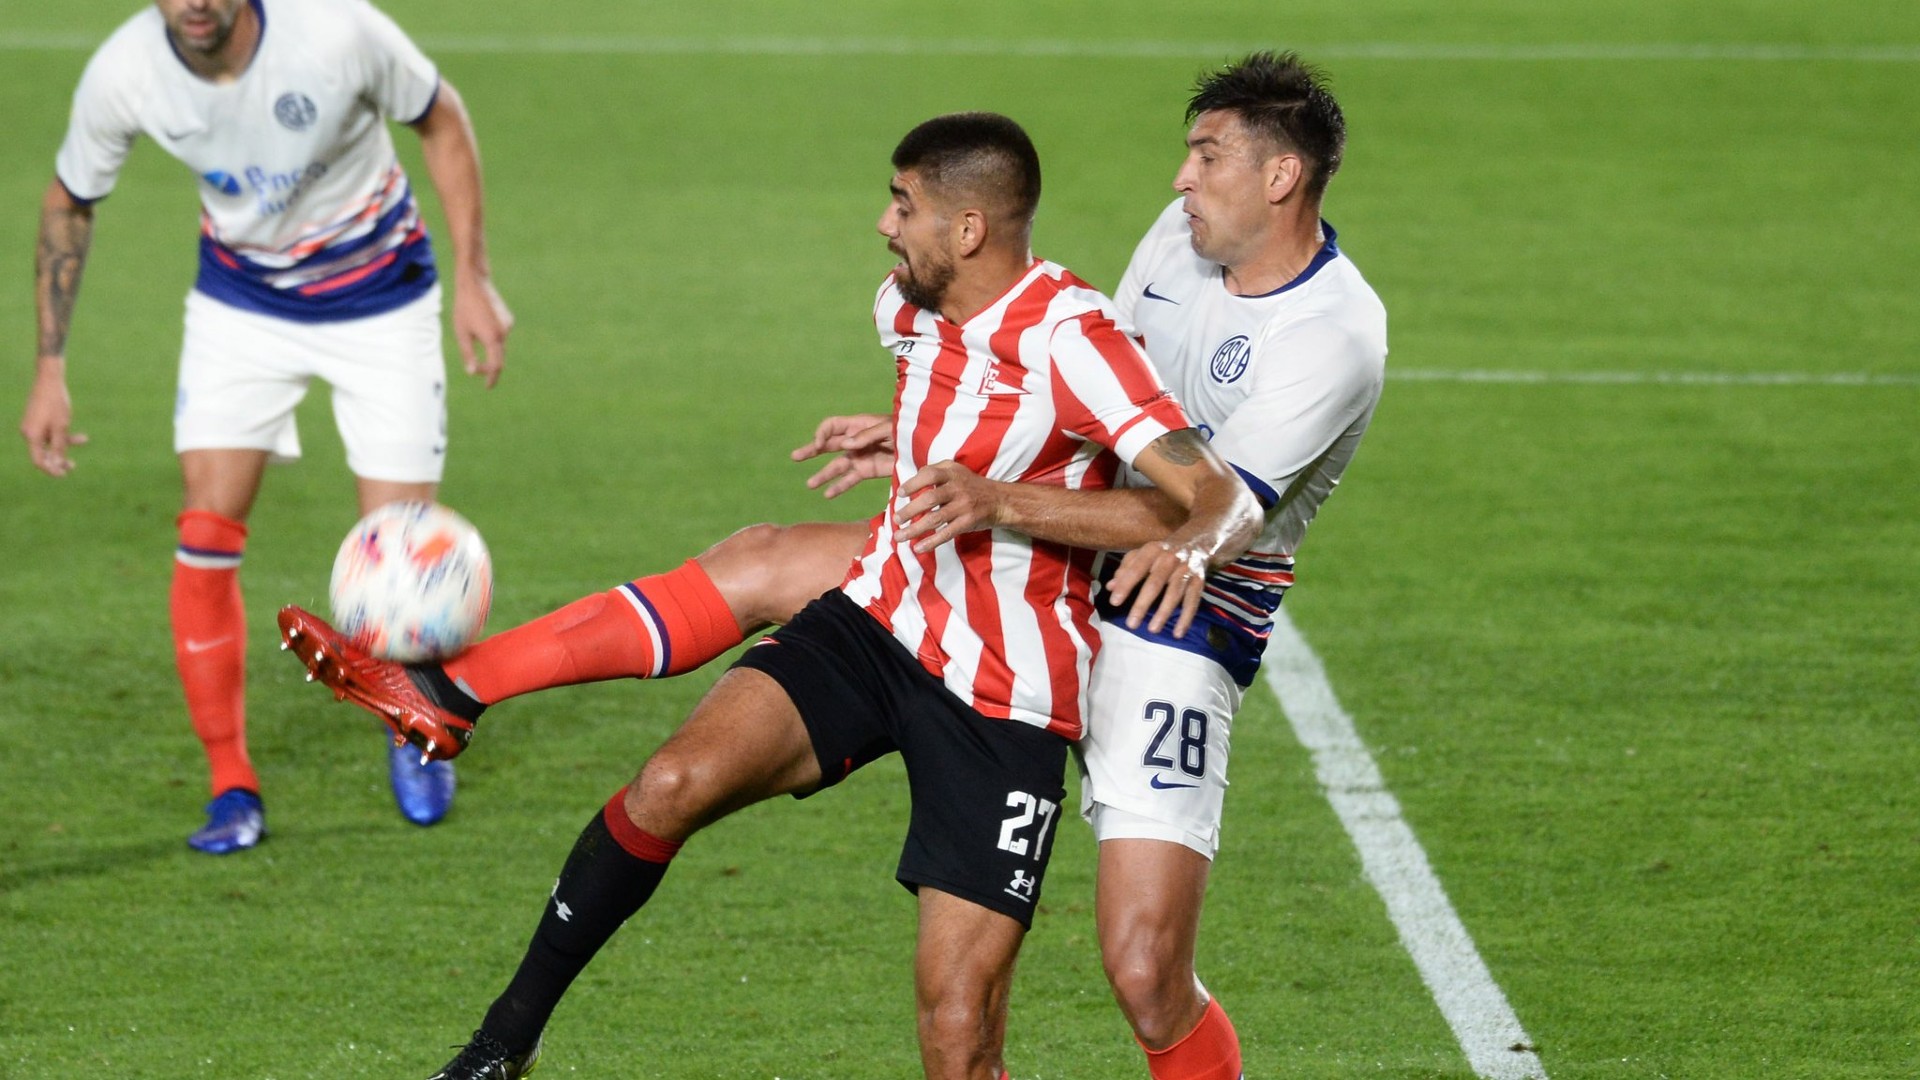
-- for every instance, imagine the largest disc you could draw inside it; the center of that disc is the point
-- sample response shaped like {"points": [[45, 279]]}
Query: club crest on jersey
{"points": [[991, 385], [1230, 359], [295, 111]]}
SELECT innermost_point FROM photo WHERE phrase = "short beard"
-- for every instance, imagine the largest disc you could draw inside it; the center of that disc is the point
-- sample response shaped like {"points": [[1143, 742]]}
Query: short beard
{"points": [[222, 32], [928, 286]]}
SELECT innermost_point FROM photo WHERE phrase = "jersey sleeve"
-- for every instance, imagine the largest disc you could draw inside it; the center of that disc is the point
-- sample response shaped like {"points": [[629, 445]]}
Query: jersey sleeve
{"points": [[1139, 272], [400, 81], [100, 131], [1105, 390], [1314, 380]]}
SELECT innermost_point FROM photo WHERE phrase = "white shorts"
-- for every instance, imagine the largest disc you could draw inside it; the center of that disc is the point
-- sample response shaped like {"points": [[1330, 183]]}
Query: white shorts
{"points": [[242, 373], [1153, 762]]}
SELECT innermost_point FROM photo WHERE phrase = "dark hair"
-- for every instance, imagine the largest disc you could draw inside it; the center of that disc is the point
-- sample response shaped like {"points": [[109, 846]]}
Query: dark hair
{"points": [[1283, 99], [979, 154]]}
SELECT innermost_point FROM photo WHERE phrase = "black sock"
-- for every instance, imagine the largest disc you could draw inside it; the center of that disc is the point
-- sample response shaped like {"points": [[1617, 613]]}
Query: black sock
{"points": [[600, 887], [433, 681]]}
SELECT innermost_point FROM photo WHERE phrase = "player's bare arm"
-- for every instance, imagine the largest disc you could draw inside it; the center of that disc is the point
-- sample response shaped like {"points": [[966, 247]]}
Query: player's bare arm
{"points": [[481, 320], [1198, 516], [66, 234], [864, 443]]}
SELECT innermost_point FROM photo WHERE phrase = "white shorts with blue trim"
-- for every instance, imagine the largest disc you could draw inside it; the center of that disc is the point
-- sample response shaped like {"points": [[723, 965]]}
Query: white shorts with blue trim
{"points": [[242, 373], [1153, 762]]}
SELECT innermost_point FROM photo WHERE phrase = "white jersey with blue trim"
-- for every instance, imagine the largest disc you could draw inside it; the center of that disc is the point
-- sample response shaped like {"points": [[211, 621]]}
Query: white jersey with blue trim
{"points": [[1283, 384], [305, 211]]}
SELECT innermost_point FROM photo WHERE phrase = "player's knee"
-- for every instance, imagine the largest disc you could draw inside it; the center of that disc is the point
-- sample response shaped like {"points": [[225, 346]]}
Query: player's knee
{"points": [[1160, 999], [671, 796], [956, 1033], [745, 567]]}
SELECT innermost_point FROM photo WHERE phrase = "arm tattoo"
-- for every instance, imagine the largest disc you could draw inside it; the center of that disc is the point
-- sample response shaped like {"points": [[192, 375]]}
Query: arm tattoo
{"points": [[65, 236], [1183, 447]]}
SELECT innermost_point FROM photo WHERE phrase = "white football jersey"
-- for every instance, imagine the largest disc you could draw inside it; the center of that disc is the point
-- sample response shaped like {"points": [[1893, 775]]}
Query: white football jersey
{"points": [[305, 212], [1283, 384]]}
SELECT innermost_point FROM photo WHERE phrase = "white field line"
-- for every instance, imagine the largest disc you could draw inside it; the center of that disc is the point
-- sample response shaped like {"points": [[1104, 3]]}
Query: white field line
{"points": [[1671, 378], [649, 45], [1485, 1025]]}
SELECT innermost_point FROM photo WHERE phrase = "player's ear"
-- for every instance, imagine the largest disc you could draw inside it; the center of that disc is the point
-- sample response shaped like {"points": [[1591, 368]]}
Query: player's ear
{"points": [[1284, 174], [969, 232]]}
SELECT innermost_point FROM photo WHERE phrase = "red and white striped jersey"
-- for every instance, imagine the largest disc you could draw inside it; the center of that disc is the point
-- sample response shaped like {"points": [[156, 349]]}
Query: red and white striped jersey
{"points": [[1036, 387]]}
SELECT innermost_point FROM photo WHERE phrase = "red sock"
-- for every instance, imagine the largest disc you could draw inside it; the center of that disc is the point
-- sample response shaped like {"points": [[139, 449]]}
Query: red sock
{"points": [[210, 641], [657, 626], [1211, 1051]]}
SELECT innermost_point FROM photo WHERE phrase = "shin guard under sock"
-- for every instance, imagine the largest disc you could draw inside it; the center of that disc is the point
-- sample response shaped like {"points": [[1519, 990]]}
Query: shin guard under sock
{"points": [[1211, 1051], [611, 873], [657, 626], [210, 642]]}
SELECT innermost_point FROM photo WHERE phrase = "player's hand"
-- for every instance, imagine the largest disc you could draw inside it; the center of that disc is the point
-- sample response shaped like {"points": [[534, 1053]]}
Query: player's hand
{"points": [[1160, 571], [945, 500], [864, 442], [47, 425], [481, 323]]}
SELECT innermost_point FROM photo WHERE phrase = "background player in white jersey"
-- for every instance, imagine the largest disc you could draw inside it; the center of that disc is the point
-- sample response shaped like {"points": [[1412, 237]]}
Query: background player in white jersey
{"points": [[1276, 344], [314, 261], [969, 660]]}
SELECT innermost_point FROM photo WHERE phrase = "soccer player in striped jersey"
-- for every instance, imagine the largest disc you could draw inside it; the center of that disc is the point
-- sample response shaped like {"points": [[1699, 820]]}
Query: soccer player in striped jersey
{"points": [[314, 261], [969, 659]]}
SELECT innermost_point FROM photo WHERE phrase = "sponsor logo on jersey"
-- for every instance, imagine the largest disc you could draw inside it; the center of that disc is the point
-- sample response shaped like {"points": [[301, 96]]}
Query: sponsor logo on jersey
{"points": [[1151, 295], [295, 111], [1230, 359], [274, 190]]}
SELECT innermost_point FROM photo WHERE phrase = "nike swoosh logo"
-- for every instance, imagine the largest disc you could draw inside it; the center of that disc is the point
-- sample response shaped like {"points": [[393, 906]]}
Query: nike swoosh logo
{"points": [[1151, 295], [202, 646], [176, 136], [1161, 785]]}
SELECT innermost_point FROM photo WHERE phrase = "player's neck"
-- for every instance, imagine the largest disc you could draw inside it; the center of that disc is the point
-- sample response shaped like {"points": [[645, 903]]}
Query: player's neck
{"points": [[983, 280], [231, 60], [1287, 252]]}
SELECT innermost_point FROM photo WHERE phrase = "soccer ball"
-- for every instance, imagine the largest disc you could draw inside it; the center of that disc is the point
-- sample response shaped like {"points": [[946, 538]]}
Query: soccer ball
{"points": [[412, 583]]}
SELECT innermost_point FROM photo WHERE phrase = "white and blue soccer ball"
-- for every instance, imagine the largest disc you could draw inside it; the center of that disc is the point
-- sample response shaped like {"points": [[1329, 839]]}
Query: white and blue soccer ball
{"points": [[412, 583]]}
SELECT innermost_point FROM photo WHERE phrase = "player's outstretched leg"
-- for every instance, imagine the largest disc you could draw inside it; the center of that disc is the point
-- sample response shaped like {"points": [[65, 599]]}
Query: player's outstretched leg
{"points": [[1148, 903], [666, 624], [745, 742]]}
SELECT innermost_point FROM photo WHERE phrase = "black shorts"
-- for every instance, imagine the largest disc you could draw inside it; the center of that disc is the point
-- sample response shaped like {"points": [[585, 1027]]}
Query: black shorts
{"points": [[986, 793]]}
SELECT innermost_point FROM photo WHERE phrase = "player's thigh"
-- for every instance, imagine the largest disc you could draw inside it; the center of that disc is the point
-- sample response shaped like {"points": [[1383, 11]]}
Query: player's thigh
{"points": [[743, 743], [1159, 729], [987, 798], [1147, 908], [389, 384], [241, 376], [767, 573]]}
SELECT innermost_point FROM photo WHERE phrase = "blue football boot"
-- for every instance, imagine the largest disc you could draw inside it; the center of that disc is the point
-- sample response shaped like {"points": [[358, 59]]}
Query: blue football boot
{"points": [[236, 821], [423, 791]]}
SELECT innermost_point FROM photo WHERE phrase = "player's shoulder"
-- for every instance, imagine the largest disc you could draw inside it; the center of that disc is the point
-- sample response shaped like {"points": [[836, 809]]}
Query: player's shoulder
{"points": [[129, 52], [318, 23], [1070, 301]]}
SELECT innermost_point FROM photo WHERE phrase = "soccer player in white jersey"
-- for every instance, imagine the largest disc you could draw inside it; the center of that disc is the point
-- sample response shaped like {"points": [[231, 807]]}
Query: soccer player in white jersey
{"points": [[314, 261], [969, 659]]}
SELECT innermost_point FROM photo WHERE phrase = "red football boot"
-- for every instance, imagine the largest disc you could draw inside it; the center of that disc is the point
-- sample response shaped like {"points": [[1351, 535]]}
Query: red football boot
{"points": [[382, 687]]}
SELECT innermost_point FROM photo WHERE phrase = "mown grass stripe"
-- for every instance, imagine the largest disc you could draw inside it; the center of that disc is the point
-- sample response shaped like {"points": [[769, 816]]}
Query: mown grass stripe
{"points": [[650, 45]]}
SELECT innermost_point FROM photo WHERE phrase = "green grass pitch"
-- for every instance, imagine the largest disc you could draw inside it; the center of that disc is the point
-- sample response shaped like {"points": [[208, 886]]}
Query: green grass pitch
{"points": [[1636, 657]]}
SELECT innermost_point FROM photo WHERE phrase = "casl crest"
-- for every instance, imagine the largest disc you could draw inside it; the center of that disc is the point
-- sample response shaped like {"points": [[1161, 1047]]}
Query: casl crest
{"points": [[295, 110], [1230, 359]]}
